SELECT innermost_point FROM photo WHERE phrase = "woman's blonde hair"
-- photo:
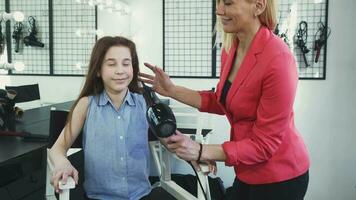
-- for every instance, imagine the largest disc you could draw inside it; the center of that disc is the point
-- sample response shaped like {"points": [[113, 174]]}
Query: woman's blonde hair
{"points": [[267, 18]]}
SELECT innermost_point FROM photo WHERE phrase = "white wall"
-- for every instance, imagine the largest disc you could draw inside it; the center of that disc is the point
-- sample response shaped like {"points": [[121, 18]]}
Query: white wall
{"points": [[325, 110]]}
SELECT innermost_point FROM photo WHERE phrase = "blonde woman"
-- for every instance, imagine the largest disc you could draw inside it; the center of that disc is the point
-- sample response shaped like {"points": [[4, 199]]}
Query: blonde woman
{"points": [[256, 92]]}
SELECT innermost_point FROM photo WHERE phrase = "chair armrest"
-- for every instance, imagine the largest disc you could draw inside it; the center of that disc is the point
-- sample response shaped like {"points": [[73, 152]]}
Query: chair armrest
{"points": [[64, 195], [69, 185]]}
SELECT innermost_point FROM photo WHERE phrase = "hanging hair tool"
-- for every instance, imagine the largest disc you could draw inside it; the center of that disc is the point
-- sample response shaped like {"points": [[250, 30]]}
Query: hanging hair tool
{"points": [[31, 39], [2, 39], [320, 39], [17, 35], [301, 40]]}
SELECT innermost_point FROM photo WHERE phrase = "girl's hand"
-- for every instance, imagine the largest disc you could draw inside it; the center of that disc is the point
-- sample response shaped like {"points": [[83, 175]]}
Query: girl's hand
{"points": [[160, 82], [61, 173]]}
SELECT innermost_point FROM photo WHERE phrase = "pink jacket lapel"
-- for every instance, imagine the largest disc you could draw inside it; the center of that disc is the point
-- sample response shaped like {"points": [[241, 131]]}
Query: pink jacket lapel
{"points": [[249, 62]]}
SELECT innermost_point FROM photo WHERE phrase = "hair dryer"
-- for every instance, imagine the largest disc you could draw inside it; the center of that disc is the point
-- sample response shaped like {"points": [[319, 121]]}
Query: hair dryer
{"points": [[160, 117]]}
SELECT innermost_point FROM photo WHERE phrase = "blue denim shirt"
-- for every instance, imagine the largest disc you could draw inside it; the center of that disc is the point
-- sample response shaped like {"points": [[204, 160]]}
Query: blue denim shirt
{"points": [[116, 152]]}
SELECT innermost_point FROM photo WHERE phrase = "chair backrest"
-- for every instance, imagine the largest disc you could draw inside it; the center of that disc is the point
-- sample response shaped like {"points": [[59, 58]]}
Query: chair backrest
{"points": [[28, 96], [190, 120], [25, 93], [58, 120]]}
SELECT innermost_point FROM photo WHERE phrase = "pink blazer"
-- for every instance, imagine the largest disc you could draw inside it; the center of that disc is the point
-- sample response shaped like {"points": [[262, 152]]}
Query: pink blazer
{"points": [[264, 146]]}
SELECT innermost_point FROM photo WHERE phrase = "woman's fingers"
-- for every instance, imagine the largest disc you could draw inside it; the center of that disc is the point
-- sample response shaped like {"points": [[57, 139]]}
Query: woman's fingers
{"points": [[178, 132], [146, 80], [215, 169], [212, 168], [146, 76], [151, 67], [173, 146]]}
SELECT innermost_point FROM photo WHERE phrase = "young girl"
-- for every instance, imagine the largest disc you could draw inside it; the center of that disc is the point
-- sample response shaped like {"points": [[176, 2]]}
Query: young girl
{"points": [[111, 112]]}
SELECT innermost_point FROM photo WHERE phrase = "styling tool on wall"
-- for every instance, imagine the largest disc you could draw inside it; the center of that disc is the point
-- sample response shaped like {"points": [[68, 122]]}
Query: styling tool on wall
{"points": [[282, 35], [2, 39], [281, 29], [301, 40], [17, 34], [31, 39], [321, 37]]}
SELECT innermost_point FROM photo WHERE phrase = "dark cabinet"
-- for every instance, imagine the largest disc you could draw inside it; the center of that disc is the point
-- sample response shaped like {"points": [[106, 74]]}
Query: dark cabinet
{"points": [[24, 177]]}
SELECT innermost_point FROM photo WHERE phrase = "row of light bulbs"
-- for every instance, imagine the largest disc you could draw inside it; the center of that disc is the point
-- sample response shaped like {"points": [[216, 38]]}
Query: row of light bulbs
{"points": [[108, 5], [85, 32], [17, 65], [17, 16]]}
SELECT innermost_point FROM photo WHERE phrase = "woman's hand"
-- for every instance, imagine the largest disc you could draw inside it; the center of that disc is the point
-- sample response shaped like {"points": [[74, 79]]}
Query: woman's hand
{"points": [[187, 149], [160, 82], [184, 147], [61, 173]]}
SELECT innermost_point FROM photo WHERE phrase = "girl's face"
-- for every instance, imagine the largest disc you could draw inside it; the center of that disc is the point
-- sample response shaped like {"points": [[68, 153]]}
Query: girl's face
{"points": [[235, 15], [116, 69]]}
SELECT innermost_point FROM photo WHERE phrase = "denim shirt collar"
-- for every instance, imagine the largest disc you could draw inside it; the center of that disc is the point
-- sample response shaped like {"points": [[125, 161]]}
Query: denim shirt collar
{"points": [[104, 99]]}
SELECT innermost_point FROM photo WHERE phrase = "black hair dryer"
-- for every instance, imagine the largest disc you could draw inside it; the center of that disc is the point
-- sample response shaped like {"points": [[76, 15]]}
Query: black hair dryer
{"points": [[160, 117]]}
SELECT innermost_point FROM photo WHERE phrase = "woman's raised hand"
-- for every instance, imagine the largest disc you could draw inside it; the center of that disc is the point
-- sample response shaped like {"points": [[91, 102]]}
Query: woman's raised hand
{"points": [[160, 81]]}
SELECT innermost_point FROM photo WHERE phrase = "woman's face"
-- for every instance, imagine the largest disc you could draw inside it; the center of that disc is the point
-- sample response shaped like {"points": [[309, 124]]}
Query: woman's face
{"points": [[235, 15], [116, 70]]}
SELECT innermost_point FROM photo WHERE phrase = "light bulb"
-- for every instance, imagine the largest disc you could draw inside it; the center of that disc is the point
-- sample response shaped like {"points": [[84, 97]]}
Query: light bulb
{"points": [[118, 6], [19, 66], [78, 65], [108, 2], [127, 10], [101, 7], [91, 3], [18, 16], [78, 33], [5, 66], [6, 16]]}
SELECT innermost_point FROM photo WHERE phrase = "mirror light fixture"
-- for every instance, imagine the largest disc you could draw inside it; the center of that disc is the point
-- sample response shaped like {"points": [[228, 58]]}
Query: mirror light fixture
{"points": [[18, 66], [85, 32], [120, 7], [17, 16]]}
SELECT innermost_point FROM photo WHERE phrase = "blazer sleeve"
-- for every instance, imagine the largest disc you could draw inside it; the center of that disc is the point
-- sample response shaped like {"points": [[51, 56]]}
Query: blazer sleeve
{"points": [[209, 102], [209, 99], [273, 114]]}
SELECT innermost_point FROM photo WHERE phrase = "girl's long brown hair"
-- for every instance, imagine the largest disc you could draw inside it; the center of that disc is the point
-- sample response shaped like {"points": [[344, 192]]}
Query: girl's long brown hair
{"points": [[93, 85]]}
